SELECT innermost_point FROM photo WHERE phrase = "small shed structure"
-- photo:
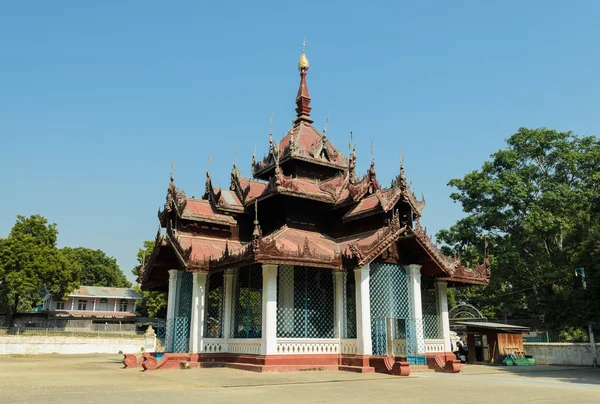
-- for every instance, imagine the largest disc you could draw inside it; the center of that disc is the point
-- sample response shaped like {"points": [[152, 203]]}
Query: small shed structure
{"points": [[492, 342]]}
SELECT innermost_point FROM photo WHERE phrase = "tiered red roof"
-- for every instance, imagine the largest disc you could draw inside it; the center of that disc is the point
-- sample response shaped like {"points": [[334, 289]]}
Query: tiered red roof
{"points": [[350, 221]]}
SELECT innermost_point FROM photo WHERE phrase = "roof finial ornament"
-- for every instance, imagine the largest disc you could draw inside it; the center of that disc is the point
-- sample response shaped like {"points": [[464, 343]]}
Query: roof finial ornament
{"points": [[172, 170], [326, 122], [372, 154], [350, 143], [256, 232], [303, 97], [303, 64], [402, 174], [235, 152]]}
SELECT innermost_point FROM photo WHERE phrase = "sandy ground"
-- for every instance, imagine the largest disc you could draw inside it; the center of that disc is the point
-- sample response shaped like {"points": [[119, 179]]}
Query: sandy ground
{"points": [[100, 379]]}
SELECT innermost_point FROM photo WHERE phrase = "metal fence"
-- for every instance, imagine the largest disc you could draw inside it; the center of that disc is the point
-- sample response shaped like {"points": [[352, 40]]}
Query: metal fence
{"points": [[72, 332], [573, 335]]}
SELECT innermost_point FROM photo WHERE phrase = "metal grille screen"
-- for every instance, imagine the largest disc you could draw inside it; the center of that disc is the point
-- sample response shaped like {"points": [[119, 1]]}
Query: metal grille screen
{"points": [[181, 327], [214, 305], [349, 326], [432, 327], [305, 302], [390, 309], [247, 307]]}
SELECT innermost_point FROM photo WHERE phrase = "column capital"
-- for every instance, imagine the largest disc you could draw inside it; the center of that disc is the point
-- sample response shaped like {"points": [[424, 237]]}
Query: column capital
{"points": [[364, 268], [230, 272], [414, 269], [337, 274], [440, 282], [269, 267], [200, 277], [173, 274]]}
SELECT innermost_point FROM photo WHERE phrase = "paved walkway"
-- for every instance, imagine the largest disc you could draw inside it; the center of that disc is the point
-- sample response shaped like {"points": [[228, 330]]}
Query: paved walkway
{"points": [[99, 379]]}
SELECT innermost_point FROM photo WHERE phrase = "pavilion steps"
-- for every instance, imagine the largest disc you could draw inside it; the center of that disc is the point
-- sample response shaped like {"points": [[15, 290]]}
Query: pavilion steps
{"points": [[421, 369], [278, 368], [356, 369]]}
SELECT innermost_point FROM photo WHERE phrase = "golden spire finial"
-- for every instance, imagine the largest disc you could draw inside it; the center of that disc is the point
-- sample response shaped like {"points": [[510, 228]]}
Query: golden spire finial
{"points": [[303, 63]]}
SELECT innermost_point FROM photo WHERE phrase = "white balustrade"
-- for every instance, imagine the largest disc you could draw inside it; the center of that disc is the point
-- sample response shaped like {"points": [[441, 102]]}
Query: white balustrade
{"points": [[435, 345], [301, 346], [349, 346], [214, 345], [244, 346], [399, 347]]}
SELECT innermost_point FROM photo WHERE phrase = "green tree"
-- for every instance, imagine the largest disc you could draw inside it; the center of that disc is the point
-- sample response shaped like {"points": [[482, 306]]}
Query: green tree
{"points": [[153, 304], [98, 269], [30, 261], [532, 205]]}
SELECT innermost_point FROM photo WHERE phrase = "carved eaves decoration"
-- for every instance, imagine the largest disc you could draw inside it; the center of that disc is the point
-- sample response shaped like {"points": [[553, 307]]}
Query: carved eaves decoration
{"points": [[145, 270], [175, 200], [385, 237], [183, 255], [336, 186], [265, 249], [368, 184], [452, 266], [322, 153]]}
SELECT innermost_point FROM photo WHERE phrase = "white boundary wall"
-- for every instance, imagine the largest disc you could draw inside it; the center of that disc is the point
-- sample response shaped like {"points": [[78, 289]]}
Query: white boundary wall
{"points": [[562, 353], [13, 344]]}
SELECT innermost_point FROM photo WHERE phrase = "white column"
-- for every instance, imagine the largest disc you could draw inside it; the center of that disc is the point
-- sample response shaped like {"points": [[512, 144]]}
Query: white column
{"points": [[116, 300], [72, 303], [171, 301], [134, 304], [228, 301], [338, 277], [363, 311], [442, 297], [198, 313], [414, 289], [94, 305], [269, 310]]}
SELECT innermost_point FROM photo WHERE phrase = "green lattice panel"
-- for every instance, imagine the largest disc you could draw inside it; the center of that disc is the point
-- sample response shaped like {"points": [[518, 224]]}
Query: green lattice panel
{"points": [[432, 327], [181, 326], [305, 302], [390, 301], [214, 305], [182, 335], [247, 307], [349, 326]]}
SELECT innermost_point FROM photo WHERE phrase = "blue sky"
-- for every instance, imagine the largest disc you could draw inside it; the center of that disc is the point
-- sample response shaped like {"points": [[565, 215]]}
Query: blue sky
{"points": [[97, 98]]}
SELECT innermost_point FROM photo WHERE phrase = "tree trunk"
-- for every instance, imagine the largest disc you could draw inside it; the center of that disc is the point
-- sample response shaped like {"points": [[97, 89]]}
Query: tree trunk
{"points": [[13, 313]]}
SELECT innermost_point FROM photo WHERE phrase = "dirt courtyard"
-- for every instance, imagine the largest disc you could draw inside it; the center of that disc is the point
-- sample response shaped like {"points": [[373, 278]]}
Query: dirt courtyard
{"points": [[101, 379]]}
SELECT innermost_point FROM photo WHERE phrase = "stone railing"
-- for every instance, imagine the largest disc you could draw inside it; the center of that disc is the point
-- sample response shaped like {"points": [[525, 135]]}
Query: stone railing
{"points": [[244, 346], [349, 346], [435, 345], [214, 345], [301, 346]]}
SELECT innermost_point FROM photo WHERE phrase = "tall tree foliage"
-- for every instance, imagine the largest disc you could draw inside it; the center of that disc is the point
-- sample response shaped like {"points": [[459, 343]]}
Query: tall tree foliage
{"points": [[98, 268], [535, 204], [29, 261], [153, 304]]}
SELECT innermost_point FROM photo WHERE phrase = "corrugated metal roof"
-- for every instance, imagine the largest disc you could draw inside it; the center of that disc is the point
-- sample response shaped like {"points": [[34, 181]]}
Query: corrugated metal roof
{"points": [[99, 291], [493, 326]]}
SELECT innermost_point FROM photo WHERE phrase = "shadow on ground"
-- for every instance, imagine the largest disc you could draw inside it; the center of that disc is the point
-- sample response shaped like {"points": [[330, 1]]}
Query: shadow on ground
{"points": [[569, 374]]}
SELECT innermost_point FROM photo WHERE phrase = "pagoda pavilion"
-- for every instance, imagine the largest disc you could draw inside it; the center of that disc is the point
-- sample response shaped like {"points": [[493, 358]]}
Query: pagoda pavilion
{"points": [[305, 265]]}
